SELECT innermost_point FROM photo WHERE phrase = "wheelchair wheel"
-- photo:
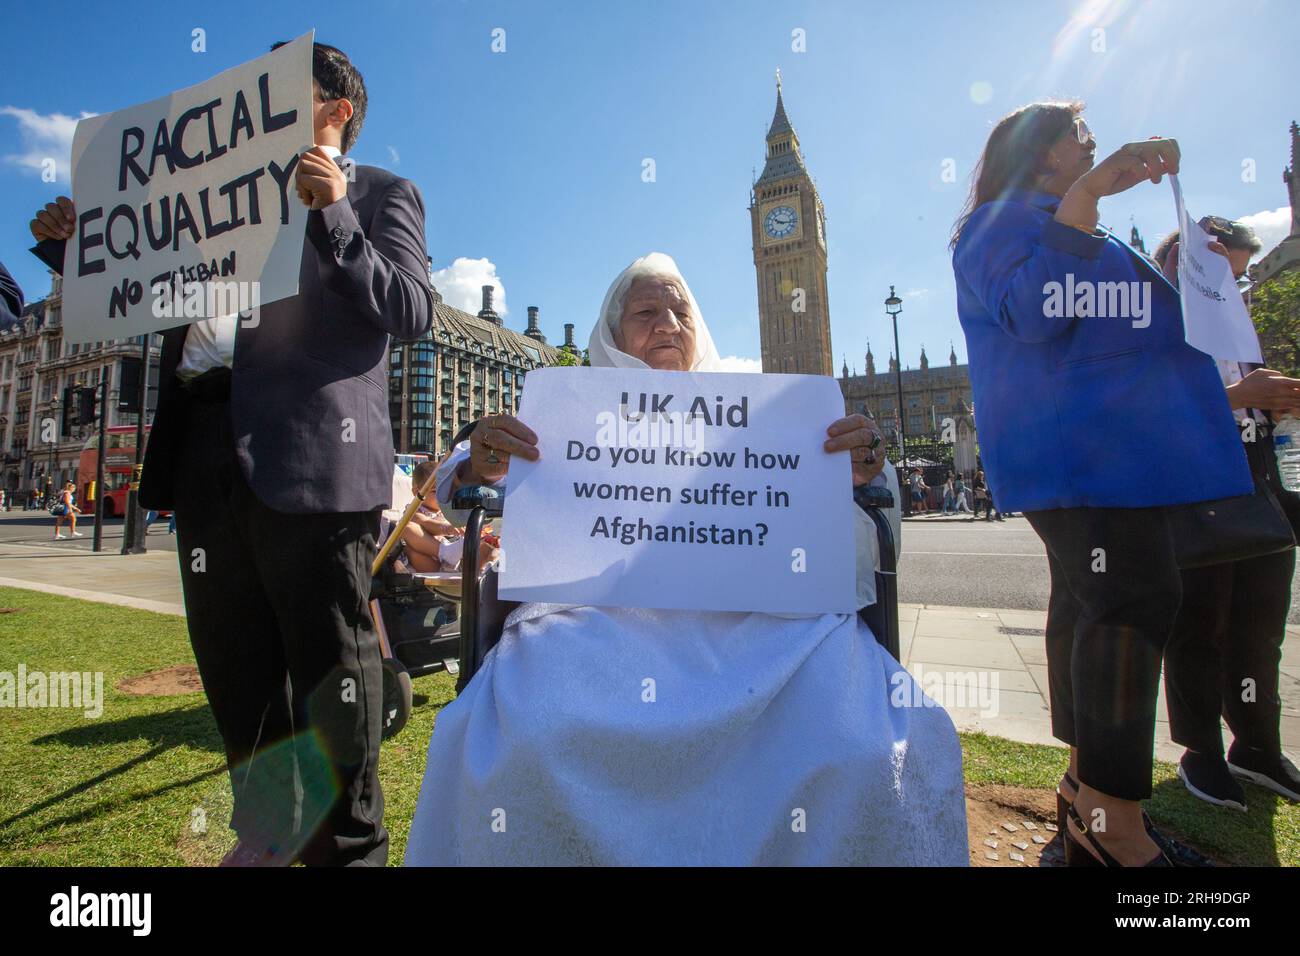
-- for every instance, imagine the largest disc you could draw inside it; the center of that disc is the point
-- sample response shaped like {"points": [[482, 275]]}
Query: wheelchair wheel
{"points": [[396, 698]]}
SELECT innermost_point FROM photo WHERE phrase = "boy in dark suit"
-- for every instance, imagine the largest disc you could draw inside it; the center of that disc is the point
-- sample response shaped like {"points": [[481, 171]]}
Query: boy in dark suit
{"points": [[272, 444]]}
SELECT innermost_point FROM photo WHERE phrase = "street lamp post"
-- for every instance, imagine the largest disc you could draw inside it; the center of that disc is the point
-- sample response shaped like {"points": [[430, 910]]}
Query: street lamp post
{"points": [[893, 306]]}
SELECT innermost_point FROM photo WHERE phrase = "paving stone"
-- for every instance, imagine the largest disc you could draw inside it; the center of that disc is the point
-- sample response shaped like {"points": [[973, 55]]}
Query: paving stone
{"points": [[1010, 827], [1017, 857]]}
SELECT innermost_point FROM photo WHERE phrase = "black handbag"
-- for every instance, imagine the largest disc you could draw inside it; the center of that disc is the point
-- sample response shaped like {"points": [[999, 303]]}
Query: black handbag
{"points": [[1235, 529]]}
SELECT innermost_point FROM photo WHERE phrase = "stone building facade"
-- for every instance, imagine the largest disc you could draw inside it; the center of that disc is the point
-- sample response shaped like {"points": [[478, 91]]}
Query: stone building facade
{"points": [[36, 367], [467, 366]]}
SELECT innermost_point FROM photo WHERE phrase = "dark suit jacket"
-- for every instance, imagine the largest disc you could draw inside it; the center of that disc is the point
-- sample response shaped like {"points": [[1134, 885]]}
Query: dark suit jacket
{"points": [[11, 299], [309, 390]]}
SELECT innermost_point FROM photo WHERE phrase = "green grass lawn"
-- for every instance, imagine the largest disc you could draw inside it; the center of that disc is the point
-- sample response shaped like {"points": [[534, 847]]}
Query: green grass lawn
{"points": [[144, 784]]}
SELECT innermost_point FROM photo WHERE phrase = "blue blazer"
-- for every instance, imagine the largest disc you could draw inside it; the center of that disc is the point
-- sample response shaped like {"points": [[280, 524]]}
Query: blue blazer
{"points": [[1084, 411]]}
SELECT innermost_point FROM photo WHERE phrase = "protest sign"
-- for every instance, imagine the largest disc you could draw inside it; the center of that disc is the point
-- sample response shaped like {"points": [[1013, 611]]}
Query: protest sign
{"points": [[707, 491], [186, 206], [1215, 319]]}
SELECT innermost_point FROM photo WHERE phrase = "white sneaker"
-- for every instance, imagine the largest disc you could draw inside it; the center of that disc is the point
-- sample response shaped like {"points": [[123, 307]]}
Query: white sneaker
{"points": [[77, 534], [59, 537]]}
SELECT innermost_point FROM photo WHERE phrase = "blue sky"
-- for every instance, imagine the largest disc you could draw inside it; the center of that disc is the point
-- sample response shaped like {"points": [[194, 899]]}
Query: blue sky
{"points": [[531, 159]]}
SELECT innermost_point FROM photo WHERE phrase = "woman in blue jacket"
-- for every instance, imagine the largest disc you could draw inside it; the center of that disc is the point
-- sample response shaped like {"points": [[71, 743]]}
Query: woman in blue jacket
{"points": [[1094, 414]]}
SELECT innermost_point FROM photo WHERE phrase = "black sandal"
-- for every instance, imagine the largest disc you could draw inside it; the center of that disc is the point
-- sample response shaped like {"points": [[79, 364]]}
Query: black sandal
{"points": [[1179, 854], [1076, 855]]}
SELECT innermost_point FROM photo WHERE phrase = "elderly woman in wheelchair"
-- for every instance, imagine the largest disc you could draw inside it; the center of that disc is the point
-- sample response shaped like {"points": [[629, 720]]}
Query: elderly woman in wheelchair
{"points": [[625, 736]]}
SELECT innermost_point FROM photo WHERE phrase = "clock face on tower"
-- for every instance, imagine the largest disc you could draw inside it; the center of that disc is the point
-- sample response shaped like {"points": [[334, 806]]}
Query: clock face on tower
{"points": [[780, 221]]}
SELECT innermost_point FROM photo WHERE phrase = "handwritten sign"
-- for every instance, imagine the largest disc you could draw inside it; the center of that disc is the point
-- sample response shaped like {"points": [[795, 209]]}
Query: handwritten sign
{"points": [[1215, 319], [706, 491], [186, 207]]}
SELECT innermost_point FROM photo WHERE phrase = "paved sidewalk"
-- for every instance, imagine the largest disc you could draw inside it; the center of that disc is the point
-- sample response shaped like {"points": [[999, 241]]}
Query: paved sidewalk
{"points": [[960, 648], [150, 581], [962, 645]]}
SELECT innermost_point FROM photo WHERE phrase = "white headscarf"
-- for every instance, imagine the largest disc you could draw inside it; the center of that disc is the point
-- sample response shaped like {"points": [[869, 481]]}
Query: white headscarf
{"points": [[602, 350]]}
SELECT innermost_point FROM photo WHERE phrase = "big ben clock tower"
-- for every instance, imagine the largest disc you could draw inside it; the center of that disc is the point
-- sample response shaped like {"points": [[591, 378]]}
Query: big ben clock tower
{"points": [[789, 234]]}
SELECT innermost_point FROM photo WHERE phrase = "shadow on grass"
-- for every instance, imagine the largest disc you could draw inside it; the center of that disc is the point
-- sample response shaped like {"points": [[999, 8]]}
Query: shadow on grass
{"points": [[1229, 836], [188, 726]]}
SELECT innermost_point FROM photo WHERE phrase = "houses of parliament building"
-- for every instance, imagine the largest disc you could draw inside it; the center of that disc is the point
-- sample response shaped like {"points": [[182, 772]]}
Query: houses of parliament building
{"points": [[465, 367], [788, 227]]}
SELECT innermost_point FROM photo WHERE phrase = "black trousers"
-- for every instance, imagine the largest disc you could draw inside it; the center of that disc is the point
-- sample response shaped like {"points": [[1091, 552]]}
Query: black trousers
{"points": [[1226, 648], [1224, 655], [1115, 592], [277, 606]]}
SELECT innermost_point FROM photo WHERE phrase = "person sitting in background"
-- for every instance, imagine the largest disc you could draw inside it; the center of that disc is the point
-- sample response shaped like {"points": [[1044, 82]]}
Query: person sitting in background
{"points": [[1226, 648], [428, 532], [432, 543]]}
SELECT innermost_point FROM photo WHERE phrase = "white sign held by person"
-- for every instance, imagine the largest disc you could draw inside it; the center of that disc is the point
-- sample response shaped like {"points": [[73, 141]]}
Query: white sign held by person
{"points": [[186, 206], [1215, 319], [708, 491]]}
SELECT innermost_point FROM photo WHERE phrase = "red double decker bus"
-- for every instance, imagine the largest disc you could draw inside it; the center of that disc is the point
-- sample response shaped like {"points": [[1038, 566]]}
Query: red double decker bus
{"points": [[118, 462]]}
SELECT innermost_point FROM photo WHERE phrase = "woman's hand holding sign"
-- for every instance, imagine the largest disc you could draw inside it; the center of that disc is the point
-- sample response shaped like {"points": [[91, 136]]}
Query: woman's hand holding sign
{"points": [[491, 444], [1071, 174], [1129, 165], [861, 437]]}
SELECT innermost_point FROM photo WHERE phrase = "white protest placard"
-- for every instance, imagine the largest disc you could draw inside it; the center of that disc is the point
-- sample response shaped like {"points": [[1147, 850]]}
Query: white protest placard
{"points": [[708, 491], [186, 207], [1215, 319]]}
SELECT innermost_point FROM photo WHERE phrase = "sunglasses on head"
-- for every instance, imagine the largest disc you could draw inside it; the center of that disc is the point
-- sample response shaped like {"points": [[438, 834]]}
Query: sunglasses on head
{"points": [[1218, 225]]}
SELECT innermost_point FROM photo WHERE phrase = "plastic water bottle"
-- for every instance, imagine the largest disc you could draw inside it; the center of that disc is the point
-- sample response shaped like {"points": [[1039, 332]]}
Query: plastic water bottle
{"points": [[1286, 443]]}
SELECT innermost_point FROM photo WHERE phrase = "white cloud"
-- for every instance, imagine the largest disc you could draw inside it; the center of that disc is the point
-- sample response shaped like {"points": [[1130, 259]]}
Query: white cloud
{"points": [[461, 285], [393, 155], [1271, 227], [43, 137], [738, 363]]}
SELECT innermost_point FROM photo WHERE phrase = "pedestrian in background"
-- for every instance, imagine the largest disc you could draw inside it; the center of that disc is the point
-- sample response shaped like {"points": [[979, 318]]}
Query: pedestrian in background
{"points": [[919, 489], [981, 493], [65, 509], [961, 505]]}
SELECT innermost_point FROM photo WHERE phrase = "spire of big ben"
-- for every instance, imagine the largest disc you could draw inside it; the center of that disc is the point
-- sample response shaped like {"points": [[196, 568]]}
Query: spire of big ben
{"points": [[789, 242]]}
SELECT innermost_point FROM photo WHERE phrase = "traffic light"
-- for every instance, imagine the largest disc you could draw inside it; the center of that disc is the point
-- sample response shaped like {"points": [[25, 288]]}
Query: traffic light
{"points": [[78, 407], [86, 405], [128, 394], [69, 410]]}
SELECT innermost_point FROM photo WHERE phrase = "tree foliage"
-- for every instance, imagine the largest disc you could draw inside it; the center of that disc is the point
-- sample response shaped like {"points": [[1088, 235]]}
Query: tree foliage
{"points": [[1275, 310]]}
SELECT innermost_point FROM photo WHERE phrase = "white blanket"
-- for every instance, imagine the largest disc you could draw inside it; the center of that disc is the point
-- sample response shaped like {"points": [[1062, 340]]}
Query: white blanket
{"points": [[619, 737]]}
